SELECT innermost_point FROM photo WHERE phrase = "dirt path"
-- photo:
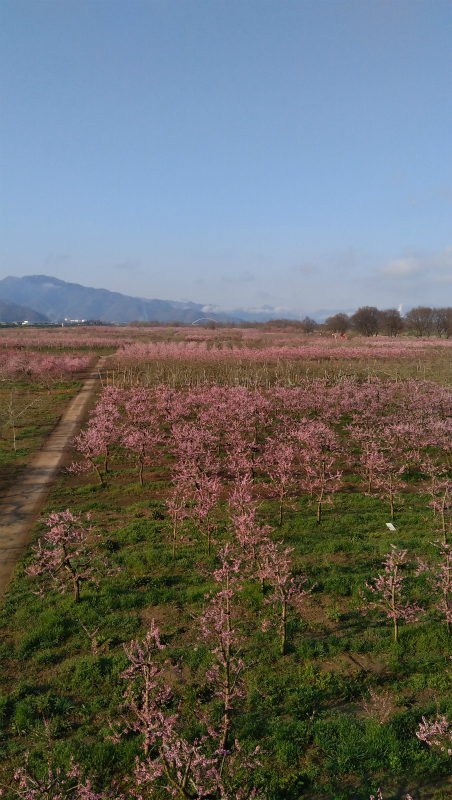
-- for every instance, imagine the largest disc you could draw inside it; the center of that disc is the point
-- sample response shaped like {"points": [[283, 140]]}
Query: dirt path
{"points": [[20, 508]]}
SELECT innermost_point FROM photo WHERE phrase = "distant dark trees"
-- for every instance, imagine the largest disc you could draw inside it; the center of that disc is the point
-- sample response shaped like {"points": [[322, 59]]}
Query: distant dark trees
{"points": [[391, 322], [309, 325], [442, 321], [423, 321], [420, 320], [338, 323], [366, 320]]}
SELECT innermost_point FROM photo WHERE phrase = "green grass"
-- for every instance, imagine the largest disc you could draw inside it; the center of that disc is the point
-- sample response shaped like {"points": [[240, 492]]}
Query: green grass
{"points": [[36, 412], [304, 709]]}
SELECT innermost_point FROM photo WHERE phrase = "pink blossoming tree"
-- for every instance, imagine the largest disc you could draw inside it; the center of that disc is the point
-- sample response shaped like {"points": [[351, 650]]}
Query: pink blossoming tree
{"points": [[57, 784], [287, 591], [319, 457], [186, 769], [436, 733], [388, 591], [440, 579], [220, 629], [65, 555]]}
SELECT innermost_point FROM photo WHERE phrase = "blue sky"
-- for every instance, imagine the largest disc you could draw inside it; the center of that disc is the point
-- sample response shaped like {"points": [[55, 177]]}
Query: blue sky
{"points": [[239, 153]]}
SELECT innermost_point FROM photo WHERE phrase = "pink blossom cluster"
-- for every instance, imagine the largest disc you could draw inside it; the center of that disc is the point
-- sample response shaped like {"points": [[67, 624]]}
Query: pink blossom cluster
{"points": [[437, 732], [64, 557], [379, 796], [90, 337], [298, 441], [15, 363], [196, 349], [57, 784], [388, 592], [207, 765]]}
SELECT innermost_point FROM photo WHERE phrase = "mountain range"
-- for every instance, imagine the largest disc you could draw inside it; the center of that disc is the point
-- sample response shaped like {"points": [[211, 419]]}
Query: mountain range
{"points": [[43, 298], [57, 300], [11, 312]]}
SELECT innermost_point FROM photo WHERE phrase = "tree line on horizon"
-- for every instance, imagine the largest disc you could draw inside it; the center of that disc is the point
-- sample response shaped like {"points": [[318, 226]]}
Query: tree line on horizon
{"points": [[366, 321], [370, 321]]}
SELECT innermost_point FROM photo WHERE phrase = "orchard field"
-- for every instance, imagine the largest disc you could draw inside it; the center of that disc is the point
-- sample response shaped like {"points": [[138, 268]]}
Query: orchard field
{"points": [[241, 585], [35, 388]]}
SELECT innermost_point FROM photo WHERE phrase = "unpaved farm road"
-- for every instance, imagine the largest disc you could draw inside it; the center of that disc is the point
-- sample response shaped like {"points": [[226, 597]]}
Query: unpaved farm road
{"points": [[20, 508]]}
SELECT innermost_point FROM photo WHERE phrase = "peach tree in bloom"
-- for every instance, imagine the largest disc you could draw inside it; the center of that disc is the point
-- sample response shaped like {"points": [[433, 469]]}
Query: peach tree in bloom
{"points": [[220, 629], [440, 578], [65, 556], [286, 591], [319, 456], [190, 768], [436, 733], [57, 784], [388, 592], [439, 489], [252, 538]]}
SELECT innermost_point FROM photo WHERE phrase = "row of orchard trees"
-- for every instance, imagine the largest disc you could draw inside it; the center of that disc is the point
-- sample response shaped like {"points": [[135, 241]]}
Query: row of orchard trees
{"points": [[192, 751], [287, 443], [212, 763], [369, 321], [231, 439]]}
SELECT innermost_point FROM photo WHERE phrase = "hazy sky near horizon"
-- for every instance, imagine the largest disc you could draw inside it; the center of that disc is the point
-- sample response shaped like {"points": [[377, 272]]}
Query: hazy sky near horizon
{"points": [[243, 153]]}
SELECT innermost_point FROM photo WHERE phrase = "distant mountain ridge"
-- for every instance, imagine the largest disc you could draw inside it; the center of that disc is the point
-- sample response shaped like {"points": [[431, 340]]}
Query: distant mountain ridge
{"points": [[59, 300], [11, 312], [56, 300]]}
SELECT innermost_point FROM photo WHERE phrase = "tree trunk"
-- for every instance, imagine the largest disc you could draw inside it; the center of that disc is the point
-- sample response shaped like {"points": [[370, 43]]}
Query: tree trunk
{"points": [[227, 682], [284, 628], [98, 473], [443, 518], [391, 498], [396, 621]]}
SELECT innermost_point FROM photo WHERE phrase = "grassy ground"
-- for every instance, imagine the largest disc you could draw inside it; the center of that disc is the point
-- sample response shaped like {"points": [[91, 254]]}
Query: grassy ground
{"points": [[435, 365], [28, 414], [304, 709]]}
